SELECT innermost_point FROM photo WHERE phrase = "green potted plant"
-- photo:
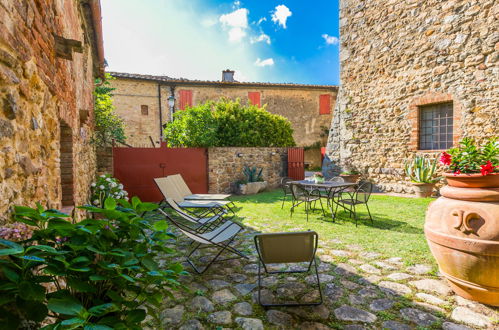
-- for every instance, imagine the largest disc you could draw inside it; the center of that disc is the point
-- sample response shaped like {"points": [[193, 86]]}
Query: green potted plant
{"points": [[318, 177], [422, 172], [470, 166], [350, 175], [253, 181]]}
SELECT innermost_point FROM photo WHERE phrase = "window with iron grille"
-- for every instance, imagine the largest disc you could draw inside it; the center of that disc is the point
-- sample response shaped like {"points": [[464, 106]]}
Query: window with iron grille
{"points": [[436, 126]]}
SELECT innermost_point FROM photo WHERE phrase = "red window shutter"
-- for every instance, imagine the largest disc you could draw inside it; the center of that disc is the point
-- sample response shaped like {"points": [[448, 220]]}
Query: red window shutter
{"points": [[325, 104], [254, 98], [185, 98]]}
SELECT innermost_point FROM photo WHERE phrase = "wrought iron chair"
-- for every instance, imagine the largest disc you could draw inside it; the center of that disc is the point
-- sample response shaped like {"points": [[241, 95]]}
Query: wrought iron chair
{"points": [[360, 196], [286, 189], [279, 248], [302, 195]]}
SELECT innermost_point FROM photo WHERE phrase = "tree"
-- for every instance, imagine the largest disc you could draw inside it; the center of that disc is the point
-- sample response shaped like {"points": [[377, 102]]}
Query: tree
{"points": [[108, 125], [227, 123]]}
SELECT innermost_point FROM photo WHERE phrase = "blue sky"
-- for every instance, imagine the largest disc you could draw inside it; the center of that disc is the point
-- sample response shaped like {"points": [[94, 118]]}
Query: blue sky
{"points": [[262, 40]]}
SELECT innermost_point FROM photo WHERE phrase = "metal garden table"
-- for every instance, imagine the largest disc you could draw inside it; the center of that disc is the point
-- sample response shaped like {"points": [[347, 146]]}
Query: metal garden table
{"points": [[332, 189]]}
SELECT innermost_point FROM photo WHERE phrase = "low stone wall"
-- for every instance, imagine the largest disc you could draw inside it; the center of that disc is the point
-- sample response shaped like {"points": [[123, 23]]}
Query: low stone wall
{"points": [[225, 166]]}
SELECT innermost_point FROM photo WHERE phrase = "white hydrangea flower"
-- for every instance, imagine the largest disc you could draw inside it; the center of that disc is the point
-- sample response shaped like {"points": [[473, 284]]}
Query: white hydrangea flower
{"points": [[126, 193], [93, 184], [101, 187], [103, 176], [112, 184], [108, 179], [96, 202], [120, 186], [126, 198]]}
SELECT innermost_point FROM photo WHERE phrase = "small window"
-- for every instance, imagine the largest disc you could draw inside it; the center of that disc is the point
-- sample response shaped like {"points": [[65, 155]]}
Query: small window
{"points": [[325, 104], [144, 109], [436, 126]]}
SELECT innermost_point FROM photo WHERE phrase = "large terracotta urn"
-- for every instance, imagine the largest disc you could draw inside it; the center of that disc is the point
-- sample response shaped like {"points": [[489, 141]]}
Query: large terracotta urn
{"points": [[462, 230]]}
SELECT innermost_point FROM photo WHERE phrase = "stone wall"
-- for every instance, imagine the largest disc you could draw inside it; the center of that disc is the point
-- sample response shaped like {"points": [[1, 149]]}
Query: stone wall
{"points": [[397, 55], [299, 105], [225, 167], [40, 92]]}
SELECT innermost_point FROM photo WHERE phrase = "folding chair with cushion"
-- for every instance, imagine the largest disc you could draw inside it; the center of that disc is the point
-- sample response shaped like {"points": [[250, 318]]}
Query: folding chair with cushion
{"points": [[358, 197], [186, 193], [286, 189], [280, 248], [170, 191], [302, 195], [221, 236], [202, 222]]}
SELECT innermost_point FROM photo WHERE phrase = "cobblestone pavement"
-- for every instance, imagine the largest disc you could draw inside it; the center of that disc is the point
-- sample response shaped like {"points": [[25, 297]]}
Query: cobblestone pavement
{"points": [[362, 290]]}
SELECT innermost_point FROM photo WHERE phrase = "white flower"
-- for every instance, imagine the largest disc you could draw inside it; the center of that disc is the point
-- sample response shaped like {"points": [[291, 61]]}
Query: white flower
{"points": [[120, 186], [108, 179], [93, 184], [96, 202], [126, 193], [126, 198], [103, 176], [101, 187], [112, 184]]}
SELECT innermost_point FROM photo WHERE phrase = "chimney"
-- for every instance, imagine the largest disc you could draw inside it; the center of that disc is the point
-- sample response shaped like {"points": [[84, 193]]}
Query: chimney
{"points": [[228, 75]]}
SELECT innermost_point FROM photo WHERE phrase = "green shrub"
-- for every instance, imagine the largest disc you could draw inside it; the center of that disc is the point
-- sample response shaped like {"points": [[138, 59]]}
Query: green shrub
{"points": [[227, 123], [103, 272]]}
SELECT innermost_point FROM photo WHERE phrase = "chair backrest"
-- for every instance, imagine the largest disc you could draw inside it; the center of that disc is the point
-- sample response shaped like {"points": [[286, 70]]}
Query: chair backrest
{"points": [[286, 247], [189, 232], [168, 189], [336, 179], [180, 184], [285, 184], [363, 191], [180, 212], [298, 191]]}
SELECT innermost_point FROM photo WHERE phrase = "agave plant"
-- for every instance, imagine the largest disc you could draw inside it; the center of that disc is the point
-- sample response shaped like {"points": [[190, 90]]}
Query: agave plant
{"points": [[422, 170], [252, 174]]}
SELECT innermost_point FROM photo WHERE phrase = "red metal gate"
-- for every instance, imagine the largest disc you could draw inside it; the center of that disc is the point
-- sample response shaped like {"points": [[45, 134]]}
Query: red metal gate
{"points": [[296, 163], [137, 167]]}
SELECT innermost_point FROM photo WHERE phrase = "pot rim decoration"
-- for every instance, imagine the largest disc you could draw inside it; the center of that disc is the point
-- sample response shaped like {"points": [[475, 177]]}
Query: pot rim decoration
{"points": [[472, 180]]}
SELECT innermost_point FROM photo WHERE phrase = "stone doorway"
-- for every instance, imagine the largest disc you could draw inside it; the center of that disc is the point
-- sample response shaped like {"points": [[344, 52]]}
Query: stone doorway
{"points": [[66, 165]]}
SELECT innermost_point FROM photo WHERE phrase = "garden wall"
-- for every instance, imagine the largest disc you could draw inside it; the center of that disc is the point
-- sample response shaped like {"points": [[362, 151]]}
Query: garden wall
{"points": [[225, 166], [46, 117], [397, 56]]}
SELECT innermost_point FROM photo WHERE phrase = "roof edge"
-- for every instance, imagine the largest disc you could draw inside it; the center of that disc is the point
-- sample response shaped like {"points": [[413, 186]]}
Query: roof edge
{"points": [[165, 80]]}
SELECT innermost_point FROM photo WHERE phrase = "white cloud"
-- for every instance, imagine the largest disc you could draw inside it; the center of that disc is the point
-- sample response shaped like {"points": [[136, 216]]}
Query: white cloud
{"points": [[261, 38], [236, 22], [330, 40], [280, 15], [266, 62], [209, 22], [263, 19]]}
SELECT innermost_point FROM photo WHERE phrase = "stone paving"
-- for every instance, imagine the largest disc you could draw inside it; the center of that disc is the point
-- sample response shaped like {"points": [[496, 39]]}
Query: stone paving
{"points": [[362, 290]]}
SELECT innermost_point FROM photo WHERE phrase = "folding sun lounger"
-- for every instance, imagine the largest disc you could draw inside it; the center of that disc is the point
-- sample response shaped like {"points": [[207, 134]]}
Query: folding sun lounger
{"points": [[186, 193], [279, 248], [204, 223], [170, 191], [221, 236]]}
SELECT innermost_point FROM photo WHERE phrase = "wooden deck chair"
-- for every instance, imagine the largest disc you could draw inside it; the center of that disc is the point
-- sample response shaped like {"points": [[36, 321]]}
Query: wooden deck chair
{"points": [[169, 191], [279, 248], [221, 236]]}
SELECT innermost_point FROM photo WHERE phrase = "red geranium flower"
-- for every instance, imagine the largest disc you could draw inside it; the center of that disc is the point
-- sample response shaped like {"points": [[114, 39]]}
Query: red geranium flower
{"points": [[445, 159], [456, 172], [487, 168]]}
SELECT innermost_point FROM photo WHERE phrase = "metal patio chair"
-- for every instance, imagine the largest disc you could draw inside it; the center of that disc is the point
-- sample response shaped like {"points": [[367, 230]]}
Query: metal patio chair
{"points": [[202, 223], [286, 189], [221, 237], [302, 195], [360, 196], [280, 248]]}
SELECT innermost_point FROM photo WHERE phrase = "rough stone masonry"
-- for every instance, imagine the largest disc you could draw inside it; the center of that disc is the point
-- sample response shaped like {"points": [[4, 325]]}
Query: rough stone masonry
{"points": [[399, 55], [49, 56]]}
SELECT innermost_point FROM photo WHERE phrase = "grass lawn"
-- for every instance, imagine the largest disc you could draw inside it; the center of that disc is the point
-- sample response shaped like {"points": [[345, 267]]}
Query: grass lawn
{"points": [[397, 230]]}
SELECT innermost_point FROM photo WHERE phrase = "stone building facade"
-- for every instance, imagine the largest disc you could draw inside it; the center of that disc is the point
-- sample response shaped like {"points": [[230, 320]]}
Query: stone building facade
{"points": [[139, 98], [416, 77], [50, 53]]}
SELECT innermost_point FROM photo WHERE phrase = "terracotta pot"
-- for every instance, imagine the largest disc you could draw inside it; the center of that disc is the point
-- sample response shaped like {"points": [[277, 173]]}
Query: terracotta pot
{"points": [[350, 178], [423, 189], [472, 180], [462, 230]]}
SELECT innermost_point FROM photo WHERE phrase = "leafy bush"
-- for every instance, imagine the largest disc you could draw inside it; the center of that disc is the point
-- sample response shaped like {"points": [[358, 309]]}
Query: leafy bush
{"points": [[469, 158], [108, 125], [227, 123], [422, 170], [106, 186], [101, 274]]}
